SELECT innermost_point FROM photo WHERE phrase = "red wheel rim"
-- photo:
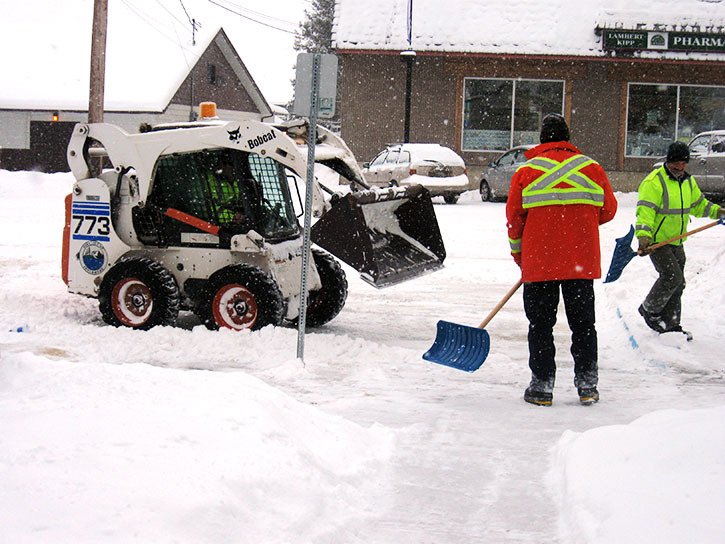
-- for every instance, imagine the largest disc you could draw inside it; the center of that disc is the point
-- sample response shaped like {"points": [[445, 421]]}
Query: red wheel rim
{"points": [[132, 302], [234, 307]]}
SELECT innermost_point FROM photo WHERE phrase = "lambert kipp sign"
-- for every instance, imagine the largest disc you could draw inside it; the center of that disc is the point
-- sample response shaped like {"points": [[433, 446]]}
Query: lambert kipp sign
{"points": [[637, 40]]}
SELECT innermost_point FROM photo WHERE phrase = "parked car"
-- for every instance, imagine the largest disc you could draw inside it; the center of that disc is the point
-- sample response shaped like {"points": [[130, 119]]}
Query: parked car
{"points": [[439, 169], [496, 179], [707, 163]]}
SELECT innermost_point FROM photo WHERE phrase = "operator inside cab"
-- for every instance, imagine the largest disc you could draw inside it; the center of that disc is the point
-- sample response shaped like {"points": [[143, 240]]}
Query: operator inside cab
{"points": [[233, 192]]}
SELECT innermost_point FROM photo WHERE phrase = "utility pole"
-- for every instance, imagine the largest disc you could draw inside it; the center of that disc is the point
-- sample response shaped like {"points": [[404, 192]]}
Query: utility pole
{"points": [[98, 61], [408, 57]]}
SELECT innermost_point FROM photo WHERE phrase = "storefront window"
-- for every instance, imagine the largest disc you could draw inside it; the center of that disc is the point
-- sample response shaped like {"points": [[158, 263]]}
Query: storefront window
{"points": [[701, 109], [501, 113], [534, 99], [660, 114]]}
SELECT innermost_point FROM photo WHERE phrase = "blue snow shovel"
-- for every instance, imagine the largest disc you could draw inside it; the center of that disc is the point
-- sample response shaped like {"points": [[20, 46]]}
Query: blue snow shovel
{"points": [[623, 252], [461, 346]]}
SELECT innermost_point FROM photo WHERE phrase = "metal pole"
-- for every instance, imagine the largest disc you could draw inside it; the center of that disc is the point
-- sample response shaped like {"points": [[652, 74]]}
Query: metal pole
{"points": [[306, 242], [98, 61], [409, 59]]}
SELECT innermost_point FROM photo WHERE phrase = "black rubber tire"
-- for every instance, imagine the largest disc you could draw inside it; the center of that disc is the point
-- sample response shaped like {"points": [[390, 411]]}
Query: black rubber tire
{"points": [[325, 303], [139, 293], [253, 299], [485, 191], [450, 199]]}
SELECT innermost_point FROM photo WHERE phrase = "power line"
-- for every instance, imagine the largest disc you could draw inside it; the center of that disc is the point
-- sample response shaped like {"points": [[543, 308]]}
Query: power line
{"points": [[187, 13], [259, 13], [169, 12], [251, 19], [156, 26], [194, 24]]}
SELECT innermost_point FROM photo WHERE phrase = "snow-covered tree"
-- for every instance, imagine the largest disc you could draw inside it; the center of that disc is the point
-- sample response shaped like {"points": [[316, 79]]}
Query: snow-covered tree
{"points": [[315, 31], [315, 36]]}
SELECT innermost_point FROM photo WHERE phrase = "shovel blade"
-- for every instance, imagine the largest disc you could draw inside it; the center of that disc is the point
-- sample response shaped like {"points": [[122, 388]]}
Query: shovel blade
{"points": [[623, 253], [459, 346]]}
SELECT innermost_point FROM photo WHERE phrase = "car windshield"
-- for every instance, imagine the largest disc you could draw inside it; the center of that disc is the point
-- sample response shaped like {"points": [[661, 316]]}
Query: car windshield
{"points": [[698, 146]]}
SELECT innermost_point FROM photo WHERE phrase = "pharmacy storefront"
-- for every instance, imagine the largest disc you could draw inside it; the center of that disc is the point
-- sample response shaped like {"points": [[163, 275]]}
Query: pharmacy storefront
{"points": [[627, 106]]}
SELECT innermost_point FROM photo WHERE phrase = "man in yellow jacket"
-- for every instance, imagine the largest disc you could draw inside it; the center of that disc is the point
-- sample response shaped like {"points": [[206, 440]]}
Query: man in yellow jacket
{"points": [[667, 198]]}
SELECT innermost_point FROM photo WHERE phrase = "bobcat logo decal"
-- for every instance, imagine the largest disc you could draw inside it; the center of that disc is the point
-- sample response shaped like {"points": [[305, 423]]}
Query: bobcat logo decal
{"points": [[234, 135]]}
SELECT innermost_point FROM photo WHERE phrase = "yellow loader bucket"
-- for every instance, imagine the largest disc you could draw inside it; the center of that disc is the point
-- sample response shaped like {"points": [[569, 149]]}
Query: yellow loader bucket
{"points": [[388, 236]]}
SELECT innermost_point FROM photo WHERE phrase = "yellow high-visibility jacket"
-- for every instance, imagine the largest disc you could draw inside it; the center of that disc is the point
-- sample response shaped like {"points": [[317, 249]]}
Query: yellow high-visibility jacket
{"points": [[664, 206]]}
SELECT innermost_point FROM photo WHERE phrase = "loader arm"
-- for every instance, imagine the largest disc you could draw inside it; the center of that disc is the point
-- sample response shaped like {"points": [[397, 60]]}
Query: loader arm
{"points": [[388, 235]]}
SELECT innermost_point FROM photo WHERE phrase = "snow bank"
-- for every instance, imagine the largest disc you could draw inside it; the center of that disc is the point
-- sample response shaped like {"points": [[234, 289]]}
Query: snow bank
{"points": [[659, 479]]}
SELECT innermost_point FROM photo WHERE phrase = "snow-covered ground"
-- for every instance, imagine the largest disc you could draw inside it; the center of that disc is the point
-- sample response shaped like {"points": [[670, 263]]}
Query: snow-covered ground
{"points": [[191, 436]]}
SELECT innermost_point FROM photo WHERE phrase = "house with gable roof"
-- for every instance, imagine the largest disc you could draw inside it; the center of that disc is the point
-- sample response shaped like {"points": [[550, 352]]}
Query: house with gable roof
{"points": [[151, 77], [630, 76]]}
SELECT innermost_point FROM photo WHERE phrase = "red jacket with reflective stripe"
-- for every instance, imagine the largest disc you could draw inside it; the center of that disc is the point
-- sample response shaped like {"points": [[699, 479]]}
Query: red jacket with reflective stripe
{"points": [[561, 241]]}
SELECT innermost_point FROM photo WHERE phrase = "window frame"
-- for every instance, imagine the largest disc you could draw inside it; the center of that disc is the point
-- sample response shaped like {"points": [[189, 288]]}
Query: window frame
{"points": [[515, 82], [678, 108], [382, 156]]}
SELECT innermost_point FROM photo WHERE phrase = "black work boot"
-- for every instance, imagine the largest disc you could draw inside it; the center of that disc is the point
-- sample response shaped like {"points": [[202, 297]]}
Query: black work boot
{"points": [[586, 386], [654, 321], [540, 391], [678, 328], [588, 395]]}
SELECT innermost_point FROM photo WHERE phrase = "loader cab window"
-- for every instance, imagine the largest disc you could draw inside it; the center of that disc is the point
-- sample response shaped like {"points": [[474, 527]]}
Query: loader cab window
{"points": [[277, 216], [231, 189]]}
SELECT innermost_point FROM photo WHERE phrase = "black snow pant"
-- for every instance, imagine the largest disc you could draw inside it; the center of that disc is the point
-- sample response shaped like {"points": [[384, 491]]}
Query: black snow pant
{"points": [[665, 297], [541, 300]]}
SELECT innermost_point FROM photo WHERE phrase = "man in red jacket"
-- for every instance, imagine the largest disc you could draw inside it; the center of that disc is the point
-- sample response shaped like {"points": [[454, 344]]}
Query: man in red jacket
{"points": [[557, 201]]}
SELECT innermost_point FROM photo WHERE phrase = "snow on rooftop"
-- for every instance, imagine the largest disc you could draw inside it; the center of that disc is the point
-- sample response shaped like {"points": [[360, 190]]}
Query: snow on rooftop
{"points": [[557, 27]]}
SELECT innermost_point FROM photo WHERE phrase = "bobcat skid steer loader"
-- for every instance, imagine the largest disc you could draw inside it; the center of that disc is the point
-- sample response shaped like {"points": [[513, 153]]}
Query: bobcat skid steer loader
{"points": [[199, 216]]}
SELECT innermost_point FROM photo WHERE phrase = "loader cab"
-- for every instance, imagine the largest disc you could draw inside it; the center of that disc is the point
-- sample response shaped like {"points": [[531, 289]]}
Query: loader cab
{"points": [[205, 197]]}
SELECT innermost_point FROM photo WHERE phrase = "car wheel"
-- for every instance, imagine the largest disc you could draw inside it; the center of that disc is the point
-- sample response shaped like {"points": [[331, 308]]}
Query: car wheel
{"points": [[240, 297], [140, 294], [450, 199], [485, 191]]}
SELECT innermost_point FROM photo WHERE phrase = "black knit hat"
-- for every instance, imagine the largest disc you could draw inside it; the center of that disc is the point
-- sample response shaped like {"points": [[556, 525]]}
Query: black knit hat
{"points": [[554, 129], [678, 151]]}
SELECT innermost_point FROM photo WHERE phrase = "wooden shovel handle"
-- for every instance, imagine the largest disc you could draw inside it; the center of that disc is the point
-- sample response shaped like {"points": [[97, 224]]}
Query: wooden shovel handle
{"points": [[693, 231], [504, 300]]}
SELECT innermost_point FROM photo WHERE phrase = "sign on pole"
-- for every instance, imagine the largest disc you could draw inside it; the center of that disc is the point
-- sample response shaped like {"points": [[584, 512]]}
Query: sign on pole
{"points": [[327, 91], [315, 84]]}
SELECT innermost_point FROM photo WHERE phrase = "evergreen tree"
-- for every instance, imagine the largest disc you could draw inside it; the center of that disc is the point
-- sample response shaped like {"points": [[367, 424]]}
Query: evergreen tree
{"points": [[315, 32], [315, 36]]}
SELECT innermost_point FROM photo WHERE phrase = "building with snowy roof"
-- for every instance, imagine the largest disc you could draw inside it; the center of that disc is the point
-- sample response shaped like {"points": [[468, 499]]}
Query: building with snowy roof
{"points": [[630, 76], [152, 76]]}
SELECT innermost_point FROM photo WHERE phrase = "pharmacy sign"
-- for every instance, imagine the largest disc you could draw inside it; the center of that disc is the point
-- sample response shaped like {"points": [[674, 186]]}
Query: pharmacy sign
{"points": [[644, 40]]}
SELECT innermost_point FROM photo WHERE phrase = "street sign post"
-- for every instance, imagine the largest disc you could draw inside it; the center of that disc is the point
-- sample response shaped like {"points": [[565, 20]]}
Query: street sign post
{"points": [[315, 90]]}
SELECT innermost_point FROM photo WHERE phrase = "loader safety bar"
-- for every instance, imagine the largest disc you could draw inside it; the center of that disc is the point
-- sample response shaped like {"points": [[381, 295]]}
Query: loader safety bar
{"points": [[200, 224]]}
